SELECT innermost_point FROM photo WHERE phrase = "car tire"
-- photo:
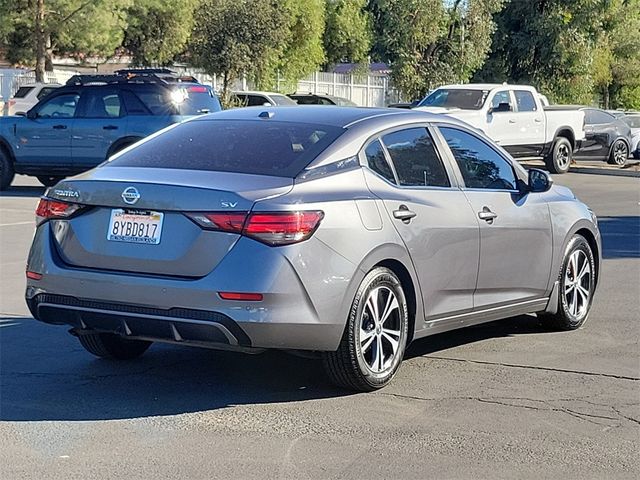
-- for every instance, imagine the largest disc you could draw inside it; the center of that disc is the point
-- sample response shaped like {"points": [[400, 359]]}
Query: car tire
{"points": [[48, 181], [559, 160], [577, 282], [375, 336], [6, 170], [110, 345], [619, 154]]}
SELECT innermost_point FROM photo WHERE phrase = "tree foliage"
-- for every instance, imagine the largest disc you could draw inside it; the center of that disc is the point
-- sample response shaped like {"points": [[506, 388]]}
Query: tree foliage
{"points": [[158, 30], [430, 42], [348, 32]]}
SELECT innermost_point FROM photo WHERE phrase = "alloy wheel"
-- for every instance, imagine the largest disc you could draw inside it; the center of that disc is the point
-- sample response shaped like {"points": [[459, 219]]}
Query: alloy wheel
{"points": [[563, 157], [577, 284], [620, 153], [380, 329]]}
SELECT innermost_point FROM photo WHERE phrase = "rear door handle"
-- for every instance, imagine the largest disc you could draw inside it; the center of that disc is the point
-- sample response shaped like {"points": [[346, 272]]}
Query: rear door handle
{"points": [[537, 120], [512, 120], [487, 215], [59, 127], [110, 127], [403, 213]]}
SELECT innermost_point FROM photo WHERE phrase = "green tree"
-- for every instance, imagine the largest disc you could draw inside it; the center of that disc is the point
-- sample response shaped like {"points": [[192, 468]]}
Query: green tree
{"points": [[38, 29], [430, 42], [232, 38], [348, 32], [547, 43], [158, 30]]}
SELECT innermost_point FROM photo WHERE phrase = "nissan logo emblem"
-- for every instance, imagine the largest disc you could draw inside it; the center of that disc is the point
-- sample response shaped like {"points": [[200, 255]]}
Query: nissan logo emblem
{"points": [[130, 195]]}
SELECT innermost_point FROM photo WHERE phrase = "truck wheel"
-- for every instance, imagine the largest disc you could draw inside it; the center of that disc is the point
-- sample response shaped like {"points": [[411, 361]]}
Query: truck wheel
{"points": [[374, 339], [559, 160], [48, 180], [110, 345], [619, 154], [6, 170]]}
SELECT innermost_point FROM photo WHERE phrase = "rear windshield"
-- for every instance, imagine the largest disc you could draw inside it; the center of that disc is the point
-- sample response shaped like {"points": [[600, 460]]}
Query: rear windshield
{"points": [[22, 92], [465, 99], [261, 147]]}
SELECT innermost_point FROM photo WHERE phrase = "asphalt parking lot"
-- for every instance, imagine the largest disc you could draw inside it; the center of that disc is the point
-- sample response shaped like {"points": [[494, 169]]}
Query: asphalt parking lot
{"points": [[501, 400]]}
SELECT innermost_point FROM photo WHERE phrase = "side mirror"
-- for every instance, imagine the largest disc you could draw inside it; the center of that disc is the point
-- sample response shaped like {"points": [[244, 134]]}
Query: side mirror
{"points": [[32, 114], [20, 114], [539, 180], [502, 107]]}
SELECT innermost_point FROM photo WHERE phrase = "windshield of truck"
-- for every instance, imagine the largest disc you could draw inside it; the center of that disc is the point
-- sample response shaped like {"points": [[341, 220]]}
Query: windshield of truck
{"points": [[465, 99]]}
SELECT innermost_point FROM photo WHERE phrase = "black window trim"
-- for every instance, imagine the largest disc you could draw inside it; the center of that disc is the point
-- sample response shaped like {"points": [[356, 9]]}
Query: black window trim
{"points": [[454, 183], [516, 172]]}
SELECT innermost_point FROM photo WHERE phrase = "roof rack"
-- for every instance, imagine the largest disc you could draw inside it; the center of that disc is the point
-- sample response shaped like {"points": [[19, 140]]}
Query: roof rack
{"points": [[145, 71], [133, 75]]}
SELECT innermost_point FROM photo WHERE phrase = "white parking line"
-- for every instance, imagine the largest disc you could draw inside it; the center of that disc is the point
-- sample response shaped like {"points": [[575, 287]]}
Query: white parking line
{"points": [[16, 223]]}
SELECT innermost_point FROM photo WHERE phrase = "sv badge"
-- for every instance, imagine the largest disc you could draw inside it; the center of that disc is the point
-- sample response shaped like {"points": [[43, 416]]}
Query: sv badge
{"points": [[229, 204]]}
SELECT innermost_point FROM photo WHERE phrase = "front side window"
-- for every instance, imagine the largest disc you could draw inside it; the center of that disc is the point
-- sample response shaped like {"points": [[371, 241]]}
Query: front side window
{"points": [[415, 158], [378, 162], [465, 99], [481, 166], [62, 106], [525, 101], [501, 98]]}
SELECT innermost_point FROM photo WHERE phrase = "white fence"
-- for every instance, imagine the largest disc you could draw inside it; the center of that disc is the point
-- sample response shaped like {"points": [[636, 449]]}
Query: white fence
{"points": [[364, 90]]}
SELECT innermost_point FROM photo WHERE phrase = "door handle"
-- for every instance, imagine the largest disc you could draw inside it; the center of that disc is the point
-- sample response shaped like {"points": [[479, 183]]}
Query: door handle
{"points": [[110, 127], [59, 127], [537, 120], [512, 120], [403, 213], [487, 215]]}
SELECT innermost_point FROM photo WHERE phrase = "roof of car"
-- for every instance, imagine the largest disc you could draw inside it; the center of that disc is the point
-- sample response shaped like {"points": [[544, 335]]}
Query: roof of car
{"points": [[483, 86], [255, 92], [319, 114]]}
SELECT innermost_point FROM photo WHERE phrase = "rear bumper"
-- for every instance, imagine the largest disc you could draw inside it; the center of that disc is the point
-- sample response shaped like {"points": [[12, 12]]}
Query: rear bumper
{"points": [[292, 315]]}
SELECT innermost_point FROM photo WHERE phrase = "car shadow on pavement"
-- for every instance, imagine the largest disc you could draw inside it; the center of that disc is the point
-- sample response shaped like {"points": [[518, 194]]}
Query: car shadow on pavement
{"points": [[23, 191], [46, 375], [620, 236], [520, 325]]}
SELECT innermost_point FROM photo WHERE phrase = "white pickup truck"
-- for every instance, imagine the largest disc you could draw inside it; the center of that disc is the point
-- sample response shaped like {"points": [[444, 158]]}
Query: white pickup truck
{"points": [[514, 116]]}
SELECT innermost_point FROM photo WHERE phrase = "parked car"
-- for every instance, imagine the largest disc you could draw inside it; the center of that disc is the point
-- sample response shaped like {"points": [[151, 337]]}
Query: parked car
{"points": [[256, 99], [83, 123], [319, 99], [515, 117], [27, 96], [607, 137], [633, 121], [341, 232]]}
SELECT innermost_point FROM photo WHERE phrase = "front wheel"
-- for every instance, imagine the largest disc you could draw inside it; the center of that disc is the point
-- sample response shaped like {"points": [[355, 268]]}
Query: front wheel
{"points": [[577, 285], [48, 180], [110, 345], [375, 337], [559, 160], [619, 154]]}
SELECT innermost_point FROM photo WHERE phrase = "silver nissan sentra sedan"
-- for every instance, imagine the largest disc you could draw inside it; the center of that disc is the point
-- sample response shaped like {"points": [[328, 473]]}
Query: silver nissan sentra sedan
{"points": [[348, 232]]}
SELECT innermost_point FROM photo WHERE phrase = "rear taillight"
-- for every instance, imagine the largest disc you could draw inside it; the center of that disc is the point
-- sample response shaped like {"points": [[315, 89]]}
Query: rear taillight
{"points": [[49, 209], [272, 228]]}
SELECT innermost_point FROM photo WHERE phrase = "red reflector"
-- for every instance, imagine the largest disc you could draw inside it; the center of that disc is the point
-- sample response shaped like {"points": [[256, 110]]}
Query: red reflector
{"points": [[198, 89], [250, 297], [34, 275]]}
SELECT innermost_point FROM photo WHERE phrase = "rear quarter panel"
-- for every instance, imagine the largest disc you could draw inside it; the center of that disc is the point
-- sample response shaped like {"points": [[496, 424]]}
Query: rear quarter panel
{"points": [[557, 120]]}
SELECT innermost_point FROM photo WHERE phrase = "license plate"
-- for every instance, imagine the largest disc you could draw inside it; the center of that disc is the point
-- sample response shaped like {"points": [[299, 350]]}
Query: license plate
{"points": [[135, 226]]}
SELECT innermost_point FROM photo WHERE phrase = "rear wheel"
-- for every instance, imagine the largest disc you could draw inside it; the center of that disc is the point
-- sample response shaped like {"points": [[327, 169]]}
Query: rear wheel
{"points": [[109, 345], [6, 170], [577, 285], [619, 154], [49, 180], [374, 339], [559, 160]]}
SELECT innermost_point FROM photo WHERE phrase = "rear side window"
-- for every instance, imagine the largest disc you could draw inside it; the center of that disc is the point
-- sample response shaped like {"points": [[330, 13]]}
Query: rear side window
{"points": [[481, 166], [525, 101], [22, 92], [101, 103], [597, 117], [280, 149], [378, 162], [157, 101], [415, 158]]}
